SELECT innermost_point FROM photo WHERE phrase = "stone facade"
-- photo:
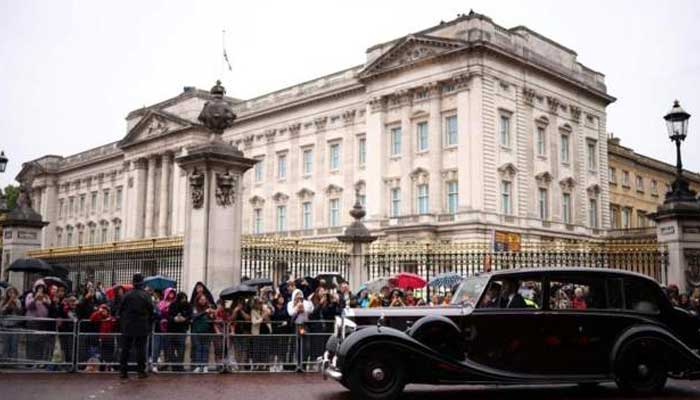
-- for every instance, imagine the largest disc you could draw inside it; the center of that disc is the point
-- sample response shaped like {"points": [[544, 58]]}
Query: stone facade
{"points": [[452, 132], [638, 185]]}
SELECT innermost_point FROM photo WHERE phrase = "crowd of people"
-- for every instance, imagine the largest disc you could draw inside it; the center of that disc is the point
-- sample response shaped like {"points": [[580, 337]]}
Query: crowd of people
{"points": [[689, 301]]}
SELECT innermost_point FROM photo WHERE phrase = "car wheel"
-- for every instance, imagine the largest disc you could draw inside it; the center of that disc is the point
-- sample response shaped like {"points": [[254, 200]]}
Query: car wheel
{"points": [[640, 367], [377, 376]]}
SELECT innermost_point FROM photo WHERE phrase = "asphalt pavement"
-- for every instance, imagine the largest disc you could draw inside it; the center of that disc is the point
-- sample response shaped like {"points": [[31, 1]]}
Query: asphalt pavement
{"points": [[283, 386]]}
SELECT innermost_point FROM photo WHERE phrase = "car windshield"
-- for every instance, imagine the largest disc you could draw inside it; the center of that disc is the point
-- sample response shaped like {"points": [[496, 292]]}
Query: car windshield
{"points": [[470, 290]]}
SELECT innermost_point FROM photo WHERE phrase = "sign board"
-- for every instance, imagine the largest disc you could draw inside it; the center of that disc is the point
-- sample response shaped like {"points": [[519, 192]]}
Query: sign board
{"points": [[506, 241]]}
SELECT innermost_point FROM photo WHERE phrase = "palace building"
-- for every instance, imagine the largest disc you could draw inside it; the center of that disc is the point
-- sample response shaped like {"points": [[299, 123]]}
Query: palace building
{"points": [[461, 131]]}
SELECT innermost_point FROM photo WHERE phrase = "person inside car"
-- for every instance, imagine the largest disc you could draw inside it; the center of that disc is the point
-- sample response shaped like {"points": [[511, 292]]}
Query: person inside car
{"points": [[510, 298]]}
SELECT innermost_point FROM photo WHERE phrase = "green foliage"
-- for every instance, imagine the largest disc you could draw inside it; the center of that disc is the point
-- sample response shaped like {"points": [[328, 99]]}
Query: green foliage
{"points": [[12, 192]]}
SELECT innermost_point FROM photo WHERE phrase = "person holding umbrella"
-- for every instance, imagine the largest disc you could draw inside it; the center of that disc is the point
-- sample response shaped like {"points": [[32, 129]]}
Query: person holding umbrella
{"points": [[136, 312]]}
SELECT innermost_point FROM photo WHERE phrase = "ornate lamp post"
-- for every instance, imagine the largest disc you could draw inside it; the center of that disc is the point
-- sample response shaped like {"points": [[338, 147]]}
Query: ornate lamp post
{"points": [[3, 161], [677, 125]]}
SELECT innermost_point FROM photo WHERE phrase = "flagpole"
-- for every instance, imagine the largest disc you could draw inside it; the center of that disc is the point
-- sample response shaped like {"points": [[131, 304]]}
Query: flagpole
{"points": [[223, 47]]}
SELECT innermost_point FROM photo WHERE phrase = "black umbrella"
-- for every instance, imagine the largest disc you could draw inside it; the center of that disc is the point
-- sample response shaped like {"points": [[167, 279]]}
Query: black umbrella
{"points": [[4, 284], [234, 292], [60, 270], [258, 282], [31, 265], [54, 280]]}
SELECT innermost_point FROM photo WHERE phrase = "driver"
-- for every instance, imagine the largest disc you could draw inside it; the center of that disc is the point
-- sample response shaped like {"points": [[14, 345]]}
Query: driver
{"points": [[510, 298]]}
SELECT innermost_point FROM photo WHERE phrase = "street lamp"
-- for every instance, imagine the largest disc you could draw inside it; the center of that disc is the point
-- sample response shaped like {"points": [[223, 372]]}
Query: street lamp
{"points": [[3, 161], [677, 125]]}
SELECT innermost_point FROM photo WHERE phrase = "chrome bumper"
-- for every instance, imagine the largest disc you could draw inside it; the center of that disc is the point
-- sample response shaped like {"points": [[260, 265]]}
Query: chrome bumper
{"points": [[328, 369]]}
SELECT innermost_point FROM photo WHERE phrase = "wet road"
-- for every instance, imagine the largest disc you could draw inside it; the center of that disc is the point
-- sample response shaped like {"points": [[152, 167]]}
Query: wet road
{"points": [[15, 386]]}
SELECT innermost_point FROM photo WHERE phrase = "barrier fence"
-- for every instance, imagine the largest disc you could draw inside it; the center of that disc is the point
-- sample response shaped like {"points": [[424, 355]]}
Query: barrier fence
{"points": [[236, 346]]}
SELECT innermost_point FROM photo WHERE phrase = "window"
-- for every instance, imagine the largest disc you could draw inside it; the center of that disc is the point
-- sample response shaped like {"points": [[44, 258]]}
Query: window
{"points": [[591, 155], [92, 235], [593, 213], [504, 129], [93, 202], [362, 152], [526, 293], [117, 232], [577, 293], [307, 161], [281, 218], [641, 296], [306, 215], [422, 136], [506, 198], [334, 212], [60, 208], [640, 183], [118, 200], [422, 200], [103, 238], [334, 160], [69, 238], [625, 178], [452, 196], [82, 204], [565, 149], [543, 203], [641, 219], [59, 238], [395, 141], [654, 187], [105, 201], [395, 202], [257, 221], [612, 175], [566, 208], [541, 142], [451, 130], [80, 237], [71, 205], [626, 216], [259, 170], [281, 166]]}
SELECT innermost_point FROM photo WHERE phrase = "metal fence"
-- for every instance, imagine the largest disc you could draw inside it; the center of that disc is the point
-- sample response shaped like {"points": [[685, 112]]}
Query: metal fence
{"points": [[117, 262], [279, 258], [87, 346], [431, 259]]}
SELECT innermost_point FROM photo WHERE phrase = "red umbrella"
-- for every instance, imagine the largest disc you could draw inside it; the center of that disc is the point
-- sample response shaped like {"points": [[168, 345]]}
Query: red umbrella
{"points": [[406, 280], [112, 291]]}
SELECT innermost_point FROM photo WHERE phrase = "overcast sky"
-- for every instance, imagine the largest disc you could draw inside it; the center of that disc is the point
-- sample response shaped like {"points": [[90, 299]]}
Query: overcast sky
{"points": [[70, 71]]}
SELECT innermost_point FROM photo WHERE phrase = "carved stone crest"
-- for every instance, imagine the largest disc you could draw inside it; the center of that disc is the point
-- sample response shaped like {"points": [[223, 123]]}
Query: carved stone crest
{"points": [[197, 189], [157, 127], [226, 185], [692, 274]]}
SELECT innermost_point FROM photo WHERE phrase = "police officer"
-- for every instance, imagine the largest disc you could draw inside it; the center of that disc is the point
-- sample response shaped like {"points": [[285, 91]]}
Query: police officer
{"points": [[135, 315]]}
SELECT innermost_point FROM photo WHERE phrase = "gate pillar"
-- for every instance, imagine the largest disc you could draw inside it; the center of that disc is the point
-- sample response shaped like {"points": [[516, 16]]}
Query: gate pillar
{"points": [[358, 238]]}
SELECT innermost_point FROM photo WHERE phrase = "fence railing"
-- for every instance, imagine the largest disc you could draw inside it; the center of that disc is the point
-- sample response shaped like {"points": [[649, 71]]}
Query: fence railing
{"points": [[232, 346]]}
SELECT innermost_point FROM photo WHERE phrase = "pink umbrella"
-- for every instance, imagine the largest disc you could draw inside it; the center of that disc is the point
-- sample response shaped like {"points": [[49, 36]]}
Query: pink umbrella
{"points": [[405, 280]]}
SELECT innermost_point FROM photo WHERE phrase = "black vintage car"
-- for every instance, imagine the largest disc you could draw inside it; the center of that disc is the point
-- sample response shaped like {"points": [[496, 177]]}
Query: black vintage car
{"points": [[528, 326]]}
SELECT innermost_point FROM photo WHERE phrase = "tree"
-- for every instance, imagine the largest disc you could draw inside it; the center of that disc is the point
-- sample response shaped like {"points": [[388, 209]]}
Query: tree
{"points": [[12, 192]]}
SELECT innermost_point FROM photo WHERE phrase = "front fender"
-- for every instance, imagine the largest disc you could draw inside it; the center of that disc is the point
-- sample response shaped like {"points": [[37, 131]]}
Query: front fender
{"points": [[680, 357]]}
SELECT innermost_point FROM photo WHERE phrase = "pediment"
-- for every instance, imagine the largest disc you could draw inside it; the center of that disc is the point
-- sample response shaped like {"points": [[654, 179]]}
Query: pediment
{"points": [[154, 124], [412, 50]]}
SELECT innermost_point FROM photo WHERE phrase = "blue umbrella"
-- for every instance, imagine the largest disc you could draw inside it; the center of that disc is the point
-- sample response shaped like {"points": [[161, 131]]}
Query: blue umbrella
{"points": [[447, 279], [159, 282]]}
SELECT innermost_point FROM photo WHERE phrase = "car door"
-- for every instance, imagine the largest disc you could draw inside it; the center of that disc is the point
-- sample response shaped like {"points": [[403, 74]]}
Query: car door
{"points": [[501, 334]]}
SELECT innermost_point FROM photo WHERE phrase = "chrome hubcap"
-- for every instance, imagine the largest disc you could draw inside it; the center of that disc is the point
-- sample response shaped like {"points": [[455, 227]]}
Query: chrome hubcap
{"points": [[643, 370], [378, 374]]}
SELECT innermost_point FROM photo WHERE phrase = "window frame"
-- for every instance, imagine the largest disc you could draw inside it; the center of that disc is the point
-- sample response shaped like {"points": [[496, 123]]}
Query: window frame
{"points": [[422, 136], [451, 137], [395, 140]]}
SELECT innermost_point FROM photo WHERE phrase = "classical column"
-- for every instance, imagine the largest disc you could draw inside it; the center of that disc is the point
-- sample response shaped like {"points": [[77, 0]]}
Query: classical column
{"points": [[435, 146], [49, 205], [376, 158], [150, 197], [164, 199], [140, 197], [407, 152]]}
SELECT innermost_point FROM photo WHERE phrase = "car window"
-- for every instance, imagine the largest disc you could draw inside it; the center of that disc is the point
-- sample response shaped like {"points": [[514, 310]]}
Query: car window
{"points": [[641, 296], [577, 293], [615, 298], [513, 293]]}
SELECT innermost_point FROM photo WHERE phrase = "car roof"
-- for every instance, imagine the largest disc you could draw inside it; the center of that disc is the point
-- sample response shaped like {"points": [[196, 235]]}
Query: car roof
{"points": [[565, 270]]}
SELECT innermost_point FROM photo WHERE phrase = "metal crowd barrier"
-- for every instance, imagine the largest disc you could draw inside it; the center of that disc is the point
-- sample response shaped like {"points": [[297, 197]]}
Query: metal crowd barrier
{"points": [[236, 346]]}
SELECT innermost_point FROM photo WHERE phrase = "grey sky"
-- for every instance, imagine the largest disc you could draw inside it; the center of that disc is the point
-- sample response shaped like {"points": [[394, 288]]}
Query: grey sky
{"points": [[70, 71]]}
